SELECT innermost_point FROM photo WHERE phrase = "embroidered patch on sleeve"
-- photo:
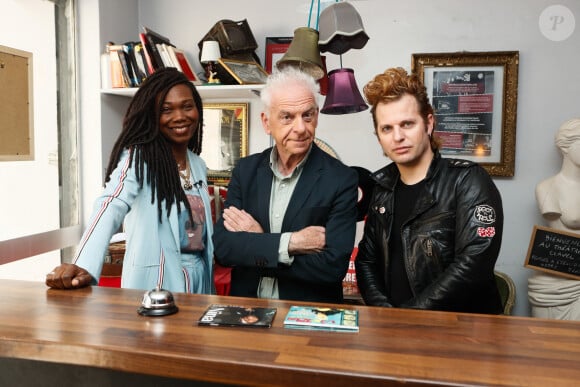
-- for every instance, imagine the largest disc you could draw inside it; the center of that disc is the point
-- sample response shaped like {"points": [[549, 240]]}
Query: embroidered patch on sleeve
{"points": [[486, 232], [484, 214]]}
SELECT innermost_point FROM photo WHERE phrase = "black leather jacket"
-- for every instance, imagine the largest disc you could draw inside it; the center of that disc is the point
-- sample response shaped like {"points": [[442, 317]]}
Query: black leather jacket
{"points": [[451, 240]]}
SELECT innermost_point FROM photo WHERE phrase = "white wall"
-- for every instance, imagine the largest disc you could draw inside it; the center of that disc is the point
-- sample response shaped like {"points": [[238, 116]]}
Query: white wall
{"points": [[29, 193], [549, 85], [99, 21]]}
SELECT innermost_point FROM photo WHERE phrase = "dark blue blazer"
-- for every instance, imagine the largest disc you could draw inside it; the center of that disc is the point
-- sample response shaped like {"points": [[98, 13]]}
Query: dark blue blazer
{"points": [[325, 195]]}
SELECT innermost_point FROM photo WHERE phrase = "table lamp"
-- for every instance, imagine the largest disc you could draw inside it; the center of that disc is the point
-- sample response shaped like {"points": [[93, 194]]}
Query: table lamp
{"points": [[210, 53]]}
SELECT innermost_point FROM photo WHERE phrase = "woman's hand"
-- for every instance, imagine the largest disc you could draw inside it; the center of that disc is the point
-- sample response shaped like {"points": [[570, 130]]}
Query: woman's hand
{"points": [[68, 276]]}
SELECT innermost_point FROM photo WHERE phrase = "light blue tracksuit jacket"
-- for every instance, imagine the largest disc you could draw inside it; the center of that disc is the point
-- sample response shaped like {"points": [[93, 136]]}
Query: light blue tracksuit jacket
{"points": [[152, 254]]}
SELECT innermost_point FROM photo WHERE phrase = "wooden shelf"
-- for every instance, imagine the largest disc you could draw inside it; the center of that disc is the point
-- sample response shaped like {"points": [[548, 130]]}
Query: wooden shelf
{"points": [[231, 92]]}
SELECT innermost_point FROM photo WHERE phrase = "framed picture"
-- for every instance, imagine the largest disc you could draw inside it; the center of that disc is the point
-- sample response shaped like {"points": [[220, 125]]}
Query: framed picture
{"points": [[276, 47], [244, 72], [474, 95], [225, 138]]}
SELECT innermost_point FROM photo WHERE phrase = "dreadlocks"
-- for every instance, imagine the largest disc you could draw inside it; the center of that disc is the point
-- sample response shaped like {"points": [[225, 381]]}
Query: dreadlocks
{"points": [[141, 135]]}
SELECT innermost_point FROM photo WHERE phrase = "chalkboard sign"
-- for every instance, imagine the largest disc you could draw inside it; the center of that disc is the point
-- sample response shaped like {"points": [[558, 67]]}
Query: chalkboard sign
{"points": [[554, 251]]}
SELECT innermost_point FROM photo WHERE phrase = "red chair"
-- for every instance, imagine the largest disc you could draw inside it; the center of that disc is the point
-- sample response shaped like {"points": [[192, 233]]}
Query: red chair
{"points": [[222, 275], [111, 273], [110, 282]]}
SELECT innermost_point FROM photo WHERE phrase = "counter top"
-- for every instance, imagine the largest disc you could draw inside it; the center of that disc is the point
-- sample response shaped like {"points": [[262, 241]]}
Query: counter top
{"points": [[100, 327]]}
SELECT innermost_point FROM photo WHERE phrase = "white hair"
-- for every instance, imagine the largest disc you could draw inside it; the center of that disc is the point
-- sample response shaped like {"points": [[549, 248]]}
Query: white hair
{"points": [[280, 80]]}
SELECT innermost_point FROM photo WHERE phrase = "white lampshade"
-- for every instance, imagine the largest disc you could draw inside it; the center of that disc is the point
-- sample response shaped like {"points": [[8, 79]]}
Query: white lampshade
{"points": [[210, 51]]}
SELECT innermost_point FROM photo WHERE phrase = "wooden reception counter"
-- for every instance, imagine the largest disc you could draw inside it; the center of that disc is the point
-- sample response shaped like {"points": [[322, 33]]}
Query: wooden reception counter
{"points": [[100, 327]]}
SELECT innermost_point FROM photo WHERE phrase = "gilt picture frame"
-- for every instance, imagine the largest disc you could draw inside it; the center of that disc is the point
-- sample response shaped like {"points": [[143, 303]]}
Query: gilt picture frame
{"points": [[474, 95], [225, 138], [244, 72]]}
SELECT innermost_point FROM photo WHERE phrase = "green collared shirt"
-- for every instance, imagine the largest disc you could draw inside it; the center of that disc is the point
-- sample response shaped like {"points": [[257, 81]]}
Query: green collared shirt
{"points": [[282, 189]]}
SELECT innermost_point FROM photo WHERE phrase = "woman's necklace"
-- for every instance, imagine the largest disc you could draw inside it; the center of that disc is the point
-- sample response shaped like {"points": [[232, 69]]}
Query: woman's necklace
{"points": [[185, 176]]}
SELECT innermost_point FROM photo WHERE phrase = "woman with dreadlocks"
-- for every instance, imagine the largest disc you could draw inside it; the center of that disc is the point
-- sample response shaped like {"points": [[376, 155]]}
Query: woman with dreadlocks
{"points": [[155, 183]]}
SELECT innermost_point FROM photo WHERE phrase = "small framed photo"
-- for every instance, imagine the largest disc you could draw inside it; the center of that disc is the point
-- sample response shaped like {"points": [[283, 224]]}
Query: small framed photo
{"points": [[225, 138], [474, 95], [276, 47], [244, 72]]}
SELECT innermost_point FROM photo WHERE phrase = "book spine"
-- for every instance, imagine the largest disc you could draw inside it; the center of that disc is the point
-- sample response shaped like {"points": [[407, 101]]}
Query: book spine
{"points": [[126, 70], [139, 53], [162, 48], [138, 75], [151, 65], [155, 54], [105, 70], [117, 79], [174, 60]]}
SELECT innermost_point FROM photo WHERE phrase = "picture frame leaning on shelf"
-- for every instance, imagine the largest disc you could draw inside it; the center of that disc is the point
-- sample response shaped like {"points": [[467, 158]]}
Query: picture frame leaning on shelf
{"points": [[241, 72]]}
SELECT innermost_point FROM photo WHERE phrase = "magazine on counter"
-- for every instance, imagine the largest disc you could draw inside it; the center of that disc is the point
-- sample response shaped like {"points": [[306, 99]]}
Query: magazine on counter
{"points": [[237, 316], [319, 318]]}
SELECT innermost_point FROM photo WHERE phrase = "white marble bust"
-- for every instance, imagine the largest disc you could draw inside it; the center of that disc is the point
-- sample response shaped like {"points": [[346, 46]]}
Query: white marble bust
{"points": [[558, 199]]}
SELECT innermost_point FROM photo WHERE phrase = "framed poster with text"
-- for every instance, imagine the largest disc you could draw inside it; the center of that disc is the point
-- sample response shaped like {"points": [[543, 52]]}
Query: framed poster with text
{"points": [[474, 95]]}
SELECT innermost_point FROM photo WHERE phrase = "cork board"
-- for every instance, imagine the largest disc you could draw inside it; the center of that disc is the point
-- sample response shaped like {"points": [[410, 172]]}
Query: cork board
{"points": [[16, 109]]}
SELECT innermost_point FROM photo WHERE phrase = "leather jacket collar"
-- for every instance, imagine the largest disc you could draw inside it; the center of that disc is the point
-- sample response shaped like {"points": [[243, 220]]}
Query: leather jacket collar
{"points": [[388, 176]]}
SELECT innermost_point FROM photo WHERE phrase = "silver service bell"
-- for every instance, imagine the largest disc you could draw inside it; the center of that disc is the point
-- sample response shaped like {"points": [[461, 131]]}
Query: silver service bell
{"points": [[157, 302]]}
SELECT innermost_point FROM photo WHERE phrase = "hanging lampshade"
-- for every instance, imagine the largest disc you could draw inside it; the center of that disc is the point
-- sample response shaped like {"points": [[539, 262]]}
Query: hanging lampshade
{"points": [[341, 29], [303, 53], [343, 95]]}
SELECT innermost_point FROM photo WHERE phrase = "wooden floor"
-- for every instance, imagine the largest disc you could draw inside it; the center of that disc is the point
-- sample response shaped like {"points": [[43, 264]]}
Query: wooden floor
{"points": [[100, 327]]}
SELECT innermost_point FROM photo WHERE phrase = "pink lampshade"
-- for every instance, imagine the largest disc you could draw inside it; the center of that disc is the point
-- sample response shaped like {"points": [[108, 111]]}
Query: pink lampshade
{"points": [[343, 96]]}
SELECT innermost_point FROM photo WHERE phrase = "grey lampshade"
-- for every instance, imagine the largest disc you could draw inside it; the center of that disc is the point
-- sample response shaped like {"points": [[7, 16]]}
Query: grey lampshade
{"points": [[303, 53], [343, 96], [341, 29]]}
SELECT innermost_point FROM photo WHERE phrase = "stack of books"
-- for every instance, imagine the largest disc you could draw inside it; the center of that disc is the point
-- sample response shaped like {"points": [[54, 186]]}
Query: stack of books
{"points": [[130, 63]]}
